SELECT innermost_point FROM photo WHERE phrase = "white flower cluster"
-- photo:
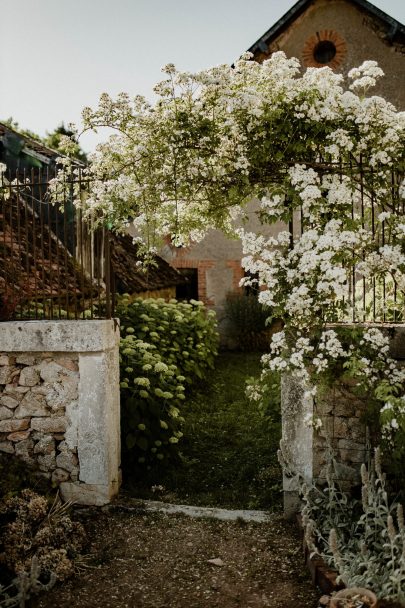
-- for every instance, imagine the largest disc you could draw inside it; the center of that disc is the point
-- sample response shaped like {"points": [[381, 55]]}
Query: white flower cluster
{"points": [[215, 139], [365, 76]]}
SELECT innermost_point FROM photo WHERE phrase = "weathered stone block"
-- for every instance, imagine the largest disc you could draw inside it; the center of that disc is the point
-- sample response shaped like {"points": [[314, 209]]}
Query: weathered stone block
{"points": [[29, 376], [40, 389], [7, 374], [23, 450], [341, 427], [50, 425], [88, 494], [13, 425], [62, 394], [7, 360], [67, 461], [9, 402], [5, 413], [26, 359], [19, 436], [32, 405], [69, 364], [6, 447], [46, 462], [15, 390], [59, 476], [45, 445], [50, 371]]}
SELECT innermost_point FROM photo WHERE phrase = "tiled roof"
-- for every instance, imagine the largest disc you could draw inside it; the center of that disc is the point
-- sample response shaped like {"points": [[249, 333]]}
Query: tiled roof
{"points": [[132, 279]]}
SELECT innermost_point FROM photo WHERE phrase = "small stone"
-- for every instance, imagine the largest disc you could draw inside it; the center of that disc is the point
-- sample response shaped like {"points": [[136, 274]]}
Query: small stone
{"points": [[67, 461], [13, 425], [47, 462], [32, 405], [41, 389], [7, 374], [63, 393], [59, 476], [7, 447], [5, 413], [9, 402], [45, 445], [19, 435], [50, 371], [23, 450], [14, 389], [29, 376], [69, 364], [217, 561], [7, 360], [25, 359], [49, 425]]}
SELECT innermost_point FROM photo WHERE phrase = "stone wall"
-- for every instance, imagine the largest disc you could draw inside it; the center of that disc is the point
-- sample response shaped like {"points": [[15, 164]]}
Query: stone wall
{"points": [[59, 403], [37, 393], [343, 430], [304, 449]]}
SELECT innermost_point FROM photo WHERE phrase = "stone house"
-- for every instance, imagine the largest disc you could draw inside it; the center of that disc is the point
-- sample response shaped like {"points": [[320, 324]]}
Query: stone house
{"points": [[338, 33]]}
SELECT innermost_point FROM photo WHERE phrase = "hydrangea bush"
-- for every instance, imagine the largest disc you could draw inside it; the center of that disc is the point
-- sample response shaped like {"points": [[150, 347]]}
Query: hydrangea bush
{"points": [[164, 348], [310, 147]]}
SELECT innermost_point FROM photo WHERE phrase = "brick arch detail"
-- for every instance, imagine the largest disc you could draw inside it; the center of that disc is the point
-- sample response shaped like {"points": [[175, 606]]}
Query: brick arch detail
{"points": [[308, 58]]}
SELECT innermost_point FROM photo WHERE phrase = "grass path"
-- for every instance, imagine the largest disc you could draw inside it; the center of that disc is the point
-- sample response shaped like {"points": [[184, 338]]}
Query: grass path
{"points": [[158, 560], [229, 449]]}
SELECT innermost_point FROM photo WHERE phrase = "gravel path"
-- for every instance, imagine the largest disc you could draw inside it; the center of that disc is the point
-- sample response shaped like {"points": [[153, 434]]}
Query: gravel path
{"points": [[153, 560]]}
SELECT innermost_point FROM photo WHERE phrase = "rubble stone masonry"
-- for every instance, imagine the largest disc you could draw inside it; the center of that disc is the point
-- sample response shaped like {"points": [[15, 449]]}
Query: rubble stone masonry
{"points": [[59, 403], [37, 393]]}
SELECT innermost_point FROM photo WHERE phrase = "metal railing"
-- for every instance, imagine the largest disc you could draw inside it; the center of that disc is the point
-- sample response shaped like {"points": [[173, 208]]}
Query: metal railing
{"points": [[52, 264], [370, 300]]}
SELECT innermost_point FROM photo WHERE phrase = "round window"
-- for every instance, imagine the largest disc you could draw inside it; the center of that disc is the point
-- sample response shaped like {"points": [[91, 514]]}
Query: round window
{"points": [[324, 51], [325, 47]]}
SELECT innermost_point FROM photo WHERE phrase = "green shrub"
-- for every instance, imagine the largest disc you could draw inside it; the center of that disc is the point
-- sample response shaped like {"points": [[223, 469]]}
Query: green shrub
{"points": [[165, 347], [248, 321]]}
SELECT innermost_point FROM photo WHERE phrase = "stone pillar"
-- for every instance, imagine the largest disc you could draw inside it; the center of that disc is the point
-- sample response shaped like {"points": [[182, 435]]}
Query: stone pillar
{"points": [[296, 443], [90, 432]]}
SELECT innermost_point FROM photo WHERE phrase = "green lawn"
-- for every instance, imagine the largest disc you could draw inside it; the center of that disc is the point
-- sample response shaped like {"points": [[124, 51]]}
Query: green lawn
{"points": [[229, 450]]}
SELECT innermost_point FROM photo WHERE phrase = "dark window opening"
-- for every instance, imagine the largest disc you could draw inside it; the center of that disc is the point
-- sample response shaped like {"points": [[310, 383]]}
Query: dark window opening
{"points": [[254, 289], [324, 51], [189, 290]]}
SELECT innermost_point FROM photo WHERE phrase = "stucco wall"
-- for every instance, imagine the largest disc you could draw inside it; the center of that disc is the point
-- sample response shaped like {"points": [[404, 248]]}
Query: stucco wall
{"points": [[218, 260], [59, 403]]}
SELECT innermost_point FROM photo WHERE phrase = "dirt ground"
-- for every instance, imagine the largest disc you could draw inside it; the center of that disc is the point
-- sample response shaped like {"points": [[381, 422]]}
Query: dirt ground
{"points": [[138, 560]]}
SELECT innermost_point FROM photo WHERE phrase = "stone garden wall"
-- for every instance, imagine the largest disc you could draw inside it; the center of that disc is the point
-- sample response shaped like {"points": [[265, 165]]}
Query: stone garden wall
{"points": [[38, 398], [343, 431], [59, 403], [304, 450]]}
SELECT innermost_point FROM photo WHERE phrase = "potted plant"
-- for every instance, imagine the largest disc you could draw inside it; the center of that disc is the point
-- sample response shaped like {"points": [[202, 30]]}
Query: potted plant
{"points": [[354, 597]]}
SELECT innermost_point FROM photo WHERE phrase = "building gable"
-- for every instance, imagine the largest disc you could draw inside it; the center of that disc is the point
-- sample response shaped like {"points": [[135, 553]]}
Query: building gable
{"points": [[341, 34]]}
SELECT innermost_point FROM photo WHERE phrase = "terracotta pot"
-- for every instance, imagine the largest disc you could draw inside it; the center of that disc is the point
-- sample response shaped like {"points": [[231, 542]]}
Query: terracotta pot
{"points": [[342, 598]]}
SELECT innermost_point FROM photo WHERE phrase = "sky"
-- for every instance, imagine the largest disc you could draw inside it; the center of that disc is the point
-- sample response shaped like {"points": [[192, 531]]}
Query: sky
{"points": [[57, 56]]}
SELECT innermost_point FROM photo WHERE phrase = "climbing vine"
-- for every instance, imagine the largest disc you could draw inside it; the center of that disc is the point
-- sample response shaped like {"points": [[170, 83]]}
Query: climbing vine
{"points": [[323, 159]]}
